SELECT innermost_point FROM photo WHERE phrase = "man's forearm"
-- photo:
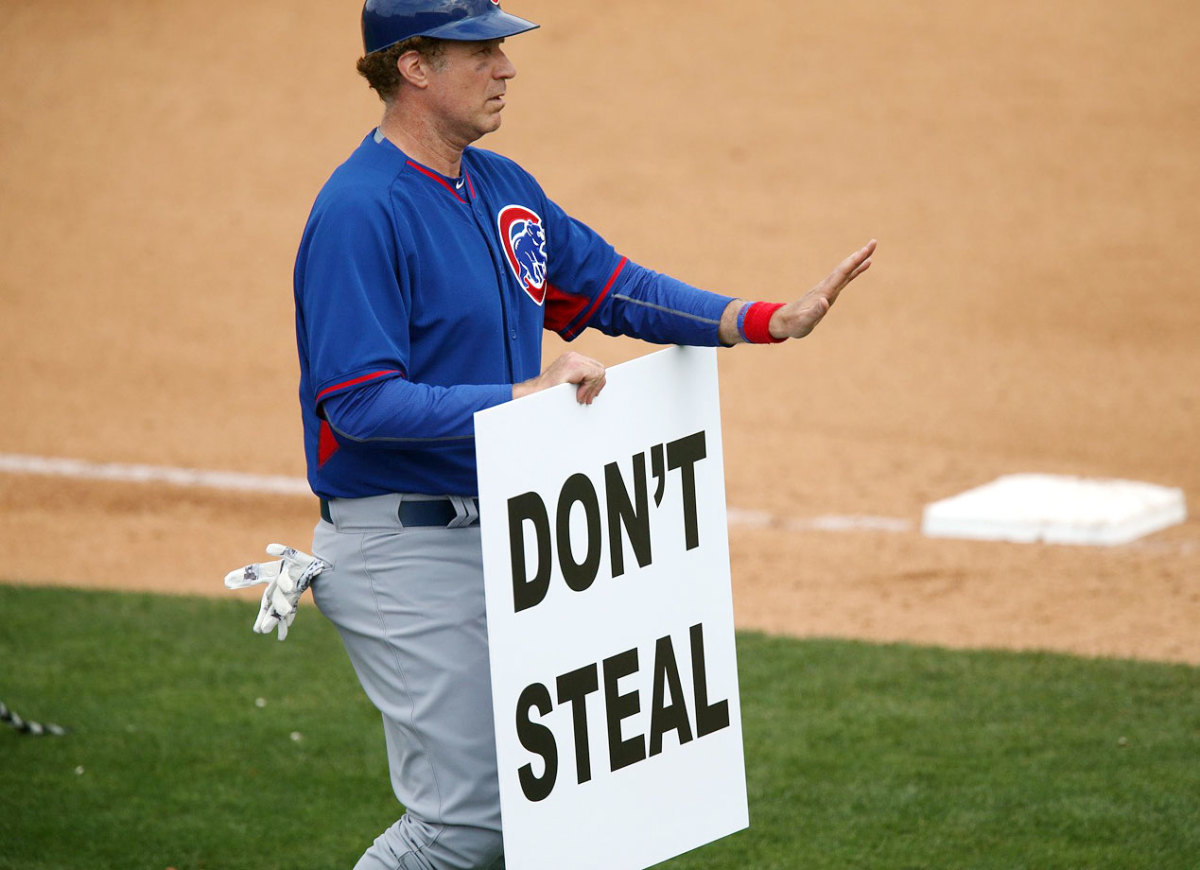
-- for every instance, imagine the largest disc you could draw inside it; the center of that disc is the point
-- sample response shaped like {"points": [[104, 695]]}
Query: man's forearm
{"points": [[727, 332]]}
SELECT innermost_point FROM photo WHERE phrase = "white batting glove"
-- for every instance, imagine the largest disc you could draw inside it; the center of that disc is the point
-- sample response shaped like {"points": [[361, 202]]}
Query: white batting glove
{"points": [[286, 581]]}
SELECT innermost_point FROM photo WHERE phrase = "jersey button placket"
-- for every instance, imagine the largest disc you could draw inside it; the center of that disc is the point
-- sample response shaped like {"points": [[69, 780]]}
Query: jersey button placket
{"points": [[491, 238]]}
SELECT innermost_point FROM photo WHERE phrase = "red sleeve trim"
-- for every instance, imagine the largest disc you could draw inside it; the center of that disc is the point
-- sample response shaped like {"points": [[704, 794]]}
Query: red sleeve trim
{"points": [[582, 322], [355, 382]]}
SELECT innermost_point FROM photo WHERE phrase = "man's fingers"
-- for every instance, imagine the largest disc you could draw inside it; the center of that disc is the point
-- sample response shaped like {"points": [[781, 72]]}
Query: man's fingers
{"points": [[584, 372], [584, 369], [800, 317], [849, 269], [853, 264], [590, 387], [862, 267], [863, 253]]}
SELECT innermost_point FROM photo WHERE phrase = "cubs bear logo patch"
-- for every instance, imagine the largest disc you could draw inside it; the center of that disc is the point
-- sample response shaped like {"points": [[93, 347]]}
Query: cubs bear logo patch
{"points": [[524, 240]]}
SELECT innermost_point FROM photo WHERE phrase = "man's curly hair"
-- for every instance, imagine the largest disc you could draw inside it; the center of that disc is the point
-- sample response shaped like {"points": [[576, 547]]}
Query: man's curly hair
{"points": [[379, 67]]}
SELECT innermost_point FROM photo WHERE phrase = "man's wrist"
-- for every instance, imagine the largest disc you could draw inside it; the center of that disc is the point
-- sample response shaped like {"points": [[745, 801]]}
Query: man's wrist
{"points": [[754, 322], [741, 319]]}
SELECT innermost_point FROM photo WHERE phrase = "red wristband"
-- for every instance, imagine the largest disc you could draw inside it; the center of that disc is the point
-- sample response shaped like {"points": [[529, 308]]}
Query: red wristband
{"points": [[755, 324]]}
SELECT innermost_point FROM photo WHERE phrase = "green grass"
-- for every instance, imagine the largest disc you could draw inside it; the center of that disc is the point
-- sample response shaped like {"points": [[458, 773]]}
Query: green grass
{"points": [[858, 756]]}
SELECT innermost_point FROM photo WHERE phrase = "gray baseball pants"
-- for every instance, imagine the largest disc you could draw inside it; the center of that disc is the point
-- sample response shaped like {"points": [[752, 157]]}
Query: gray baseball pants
{"points": [[409, 606]]}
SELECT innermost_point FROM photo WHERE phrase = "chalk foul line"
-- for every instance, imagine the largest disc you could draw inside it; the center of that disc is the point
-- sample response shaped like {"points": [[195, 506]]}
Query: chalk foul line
{"points": [[236, 481], [122, 473], [828, 523]]}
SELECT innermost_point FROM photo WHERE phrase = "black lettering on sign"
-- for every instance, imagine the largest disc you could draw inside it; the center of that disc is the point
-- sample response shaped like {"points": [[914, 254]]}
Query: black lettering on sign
{"points": [[539, 740], [573, 689], [528, 591], [709, 717], [579, 575], [684, 454], [621, 752], [632, 515], [666, 717], [627, 513], [659, 467], [669, 711]]}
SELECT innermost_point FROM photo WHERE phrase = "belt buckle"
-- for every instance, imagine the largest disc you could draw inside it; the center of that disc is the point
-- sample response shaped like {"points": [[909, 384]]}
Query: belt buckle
{"points": [[466, 512], [449, 512]]}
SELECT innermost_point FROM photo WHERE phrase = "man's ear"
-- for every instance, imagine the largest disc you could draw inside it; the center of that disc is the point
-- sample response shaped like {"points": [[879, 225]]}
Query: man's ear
{"points": [[413, 68]]}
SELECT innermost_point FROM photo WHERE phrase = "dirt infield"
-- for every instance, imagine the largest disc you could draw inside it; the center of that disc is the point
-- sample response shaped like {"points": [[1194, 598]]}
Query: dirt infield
{"points": [[1030, 170]]}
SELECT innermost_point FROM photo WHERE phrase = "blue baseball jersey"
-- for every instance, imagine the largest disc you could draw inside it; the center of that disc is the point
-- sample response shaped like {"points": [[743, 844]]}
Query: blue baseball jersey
{"points": [[421, 299]]}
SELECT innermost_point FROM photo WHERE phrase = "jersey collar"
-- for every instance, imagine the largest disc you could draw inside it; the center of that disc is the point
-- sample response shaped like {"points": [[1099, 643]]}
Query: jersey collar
{"points": [[461, 188]]}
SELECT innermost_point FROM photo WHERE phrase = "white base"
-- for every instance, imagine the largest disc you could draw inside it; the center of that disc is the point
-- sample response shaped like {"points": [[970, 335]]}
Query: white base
{"points": [[1057, 510]]}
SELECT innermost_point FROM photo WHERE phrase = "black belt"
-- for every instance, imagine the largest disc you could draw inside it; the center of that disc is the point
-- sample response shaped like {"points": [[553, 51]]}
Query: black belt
{"points": [[435, 512]]}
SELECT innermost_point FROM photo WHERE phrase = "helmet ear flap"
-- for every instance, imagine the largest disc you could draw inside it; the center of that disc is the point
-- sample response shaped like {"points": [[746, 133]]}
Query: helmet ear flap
{"points": [[386, 22]]}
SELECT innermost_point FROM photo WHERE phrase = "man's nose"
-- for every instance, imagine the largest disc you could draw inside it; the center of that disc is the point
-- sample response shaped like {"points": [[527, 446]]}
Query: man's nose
{"points": [[506, 69]]}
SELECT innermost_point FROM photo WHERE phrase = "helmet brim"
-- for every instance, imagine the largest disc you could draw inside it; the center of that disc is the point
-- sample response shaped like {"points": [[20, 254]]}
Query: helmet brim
{"points": [[494, 25]]}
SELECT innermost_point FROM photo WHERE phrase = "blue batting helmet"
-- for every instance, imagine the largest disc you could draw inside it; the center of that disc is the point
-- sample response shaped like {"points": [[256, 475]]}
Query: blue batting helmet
{"points": [[386, 22]]}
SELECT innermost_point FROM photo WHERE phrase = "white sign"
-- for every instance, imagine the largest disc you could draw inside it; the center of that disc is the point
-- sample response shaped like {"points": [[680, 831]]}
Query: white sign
{"points": [[610, 619]]}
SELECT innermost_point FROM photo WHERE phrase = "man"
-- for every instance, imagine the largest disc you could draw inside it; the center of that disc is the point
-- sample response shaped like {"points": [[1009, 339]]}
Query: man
{"points": [[425, 276]]}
